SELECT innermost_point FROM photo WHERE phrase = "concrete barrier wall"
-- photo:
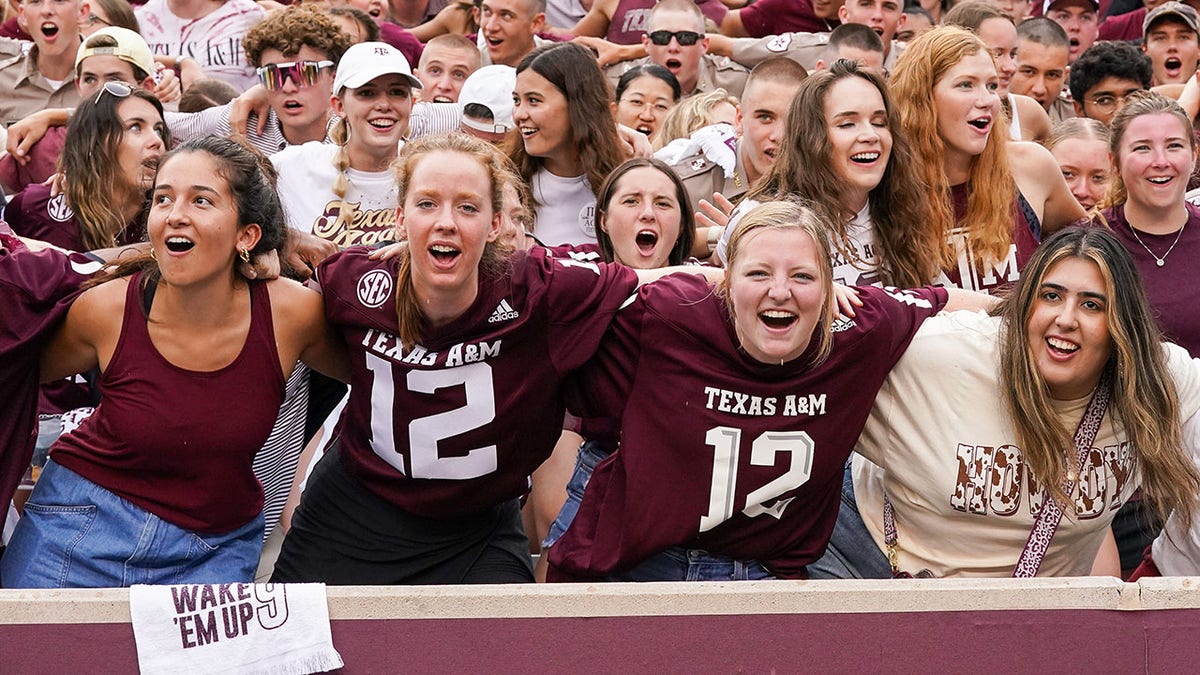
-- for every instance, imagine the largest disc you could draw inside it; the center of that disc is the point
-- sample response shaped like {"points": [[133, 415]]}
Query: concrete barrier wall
{"points": [[1043, 625]]}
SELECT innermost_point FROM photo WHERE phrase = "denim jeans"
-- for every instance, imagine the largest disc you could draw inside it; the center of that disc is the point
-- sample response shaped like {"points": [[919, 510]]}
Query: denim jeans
{"points": [[689, 564], [76, 534], [673, 564], [852, 552], [591, 453]]}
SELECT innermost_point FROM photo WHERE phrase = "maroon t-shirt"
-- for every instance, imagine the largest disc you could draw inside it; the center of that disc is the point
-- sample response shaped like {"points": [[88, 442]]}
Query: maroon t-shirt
{"points": [[1174, 288], [33, 213], [32, 289], [43, 162], [719, 451], [400, 38], [12, 29], [180, 443], [456, 424], [1124, 26], [775, 17], [631, 19], [990, 278]]}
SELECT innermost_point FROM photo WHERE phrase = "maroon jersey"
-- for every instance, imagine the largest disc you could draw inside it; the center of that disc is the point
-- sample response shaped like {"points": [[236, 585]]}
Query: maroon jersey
{"points": [[719, 451], [31, 288], [180, 443], [456, 425], [631, 19], [33, 213], [773, 17], [1174, 288], [998, 274]]}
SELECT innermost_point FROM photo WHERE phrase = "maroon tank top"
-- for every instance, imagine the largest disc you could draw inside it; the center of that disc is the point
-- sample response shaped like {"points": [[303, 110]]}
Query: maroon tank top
{"points": [[996, 274], [179, 443]]}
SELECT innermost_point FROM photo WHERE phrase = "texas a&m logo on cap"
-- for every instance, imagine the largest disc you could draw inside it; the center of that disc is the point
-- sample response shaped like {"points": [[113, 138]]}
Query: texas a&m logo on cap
{"points": [[374, 288]]}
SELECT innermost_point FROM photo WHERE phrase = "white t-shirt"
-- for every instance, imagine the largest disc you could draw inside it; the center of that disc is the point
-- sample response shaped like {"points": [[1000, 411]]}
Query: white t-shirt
{"points": [[214, 40], [306, 178], [566, 209], [1176, 551], [854, 266], [954, 472]]}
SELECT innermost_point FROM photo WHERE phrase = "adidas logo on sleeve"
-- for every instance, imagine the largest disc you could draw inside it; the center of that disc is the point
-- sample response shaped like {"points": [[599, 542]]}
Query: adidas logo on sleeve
{"points": [[504, 312]]}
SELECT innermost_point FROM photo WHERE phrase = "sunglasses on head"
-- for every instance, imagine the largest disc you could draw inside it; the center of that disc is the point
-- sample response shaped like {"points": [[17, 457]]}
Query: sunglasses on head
{"points": [[303, 73], [116, 89], [686, 38]]}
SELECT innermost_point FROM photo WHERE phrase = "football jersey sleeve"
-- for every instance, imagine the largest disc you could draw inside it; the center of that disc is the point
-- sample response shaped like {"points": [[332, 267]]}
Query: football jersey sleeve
{"points": [[601, 387], [582, 298], [32, 291]]}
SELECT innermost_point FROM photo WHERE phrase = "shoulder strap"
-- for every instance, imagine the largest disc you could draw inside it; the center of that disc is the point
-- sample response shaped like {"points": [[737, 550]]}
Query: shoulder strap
{"points": [[1051, 513]]}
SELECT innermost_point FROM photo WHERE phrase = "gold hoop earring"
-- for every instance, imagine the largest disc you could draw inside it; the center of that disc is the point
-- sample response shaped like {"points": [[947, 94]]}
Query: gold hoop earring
{"points": [[152, 256], [244, 254]]}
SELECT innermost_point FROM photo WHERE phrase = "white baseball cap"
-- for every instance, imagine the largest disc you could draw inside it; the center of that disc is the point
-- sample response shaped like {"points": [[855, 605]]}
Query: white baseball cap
{"points": [[366, 61], [491, 87], [129, 47]]}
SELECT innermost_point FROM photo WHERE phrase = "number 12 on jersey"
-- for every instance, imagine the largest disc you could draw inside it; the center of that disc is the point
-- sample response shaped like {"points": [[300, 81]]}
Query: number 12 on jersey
{"points": [[726, 443]]}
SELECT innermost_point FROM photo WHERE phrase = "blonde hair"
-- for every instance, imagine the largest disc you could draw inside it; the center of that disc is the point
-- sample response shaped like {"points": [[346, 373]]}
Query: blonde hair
{"points": [[692, 113], [495, 255], [789, 214], [989, 216], [1078, 127], [1137, 104]]}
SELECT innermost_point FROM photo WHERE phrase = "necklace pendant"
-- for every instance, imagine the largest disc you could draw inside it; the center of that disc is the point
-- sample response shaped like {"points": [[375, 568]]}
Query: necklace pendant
{"points": [[1160, 261]]}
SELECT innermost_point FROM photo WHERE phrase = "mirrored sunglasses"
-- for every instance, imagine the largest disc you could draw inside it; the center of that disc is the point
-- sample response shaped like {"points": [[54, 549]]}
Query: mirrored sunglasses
{"points": [[303, 73]]}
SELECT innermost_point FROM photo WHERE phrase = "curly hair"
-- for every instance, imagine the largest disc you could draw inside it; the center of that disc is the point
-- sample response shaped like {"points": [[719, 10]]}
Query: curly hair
{"points": [[899, 211], [692, 113], [1109, 58], [992, 189], [294, 27]]}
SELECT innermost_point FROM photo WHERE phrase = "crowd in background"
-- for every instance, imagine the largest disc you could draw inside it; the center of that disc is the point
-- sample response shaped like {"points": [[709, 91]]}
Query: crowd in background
{"points": [[371, 292]]}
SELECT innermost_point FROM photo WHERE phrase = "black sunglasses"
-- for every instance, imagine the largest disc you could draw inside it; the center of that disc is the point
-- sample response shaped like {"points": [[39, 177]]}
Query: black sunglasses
{"points": [[686, 38]]}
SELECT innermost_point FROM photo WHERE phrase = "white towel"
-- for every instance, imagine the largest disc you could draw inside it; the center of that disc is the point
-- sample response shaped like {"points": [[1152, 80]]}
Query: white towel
{"points": [[275, 629], [718, 142]]}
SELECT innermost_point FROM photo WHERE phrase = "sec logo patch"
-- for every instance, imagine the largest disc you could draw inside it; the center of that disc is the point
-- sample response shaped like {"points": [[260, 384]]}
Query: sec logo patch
{"points": [[57, 209], [374, 288]]}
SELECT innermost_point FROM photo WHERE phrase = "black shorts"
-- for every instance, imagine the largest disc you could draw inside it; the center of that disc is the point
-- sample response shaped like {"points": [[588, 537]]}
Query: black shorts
{"points": [[344, 534]]}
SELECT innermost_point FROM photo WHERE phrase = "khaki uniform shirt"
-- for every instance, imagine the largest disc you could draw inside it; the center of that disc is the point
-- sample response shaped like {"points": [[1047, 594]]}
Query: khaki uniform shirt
{"points": [[702, 178], [803, 48], [1061, 109], [715, 71], [26, 91]]}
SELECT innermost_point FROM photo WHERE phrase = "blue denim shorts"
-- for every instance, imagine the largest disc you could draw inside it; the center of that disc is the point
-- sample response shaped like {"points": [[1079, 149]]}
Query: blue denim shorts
{"points": [[673, 564], [76, 534], [591, 453]]}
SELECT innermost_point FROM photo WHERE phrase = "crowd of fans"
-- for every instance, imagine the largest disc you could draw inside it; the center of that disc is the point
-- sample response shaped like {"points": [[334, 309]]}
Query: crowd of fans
{"points": [[370, 292]]}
